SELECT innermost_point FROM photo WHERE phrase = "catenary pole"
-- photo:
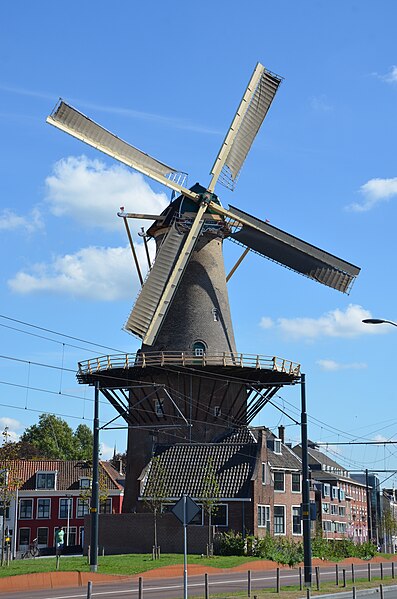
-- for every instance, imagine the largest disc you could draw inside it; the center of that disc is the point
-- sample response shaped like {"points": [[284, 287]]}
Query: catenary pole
{"points": [[95, 486], [306, 522]]}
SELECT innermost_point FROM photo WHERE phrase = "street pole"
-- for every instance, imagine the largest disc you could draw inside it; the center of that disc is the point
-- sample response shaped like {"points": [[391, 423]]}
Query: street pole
{"points": [[369, 514], [306, 522], [184, 549], [95, 486]]}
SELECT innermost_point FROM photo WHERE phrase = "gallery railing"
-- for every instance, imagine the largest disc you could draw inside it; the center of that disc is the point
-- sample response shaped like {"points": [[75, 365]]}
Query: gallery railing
{"points": [[188, 358]]}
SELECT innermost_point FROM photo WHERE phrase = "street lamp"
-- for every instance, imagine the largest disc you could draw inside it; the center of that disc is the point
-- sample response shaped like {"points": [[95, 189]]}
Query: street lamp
{"points": [[379, 321]]}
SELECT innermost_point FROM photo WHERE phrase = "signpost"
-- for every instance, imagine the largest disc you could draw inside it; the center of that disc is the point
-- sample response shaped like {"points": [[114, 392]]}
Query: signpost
{"points": [[185, 510]]}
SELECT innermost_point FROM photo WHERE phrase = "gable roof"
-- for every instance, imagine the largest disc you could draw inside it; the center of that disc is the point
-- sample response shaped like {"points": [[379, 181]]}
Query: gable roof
{"points": [[185, 467], [69, 473]]}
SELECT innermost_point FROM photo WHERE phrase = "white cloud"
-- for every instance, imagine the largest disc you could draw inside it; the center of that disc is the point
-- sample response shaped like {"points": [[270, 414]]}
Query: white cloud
{"points": [[13, 426], [391, 77], [320, 104], [374, 192], [335, 323], [91, 193], [332, 365], [266, 322], [10, 221], [106, 451], [93, 272]]}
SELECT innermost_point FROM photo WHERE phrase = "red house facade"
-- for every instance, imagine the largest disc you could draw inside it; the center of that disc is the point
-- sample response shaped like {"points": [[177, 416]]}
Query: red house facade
{"points": [[54, 494]]}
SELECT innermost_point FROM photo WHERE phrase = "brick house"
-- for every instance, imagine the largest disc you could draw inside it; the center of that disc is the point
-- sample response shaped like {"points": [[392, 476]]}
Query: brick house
{"points": [[55, 493], [341, 501], [258, 489]]}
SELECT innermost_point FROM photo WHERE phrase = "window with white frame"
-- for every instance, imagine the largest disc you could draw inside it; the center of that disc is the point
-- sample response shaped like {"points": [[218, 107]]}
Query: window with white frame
{"points": [[279, 481], [24, 536], [334, 492], [334, 509], [277, 446], [4, 511], [326, 490], [66, 507], [83, 507], [325, 508], [295, 482], [220, 517], [296, 520], [105, 507], [85, 483], [43, 508], [342, 510], [327, 525], [42, 536], [279, 519], [264, 517], [263, 473], [45, 480], [26, 509]]}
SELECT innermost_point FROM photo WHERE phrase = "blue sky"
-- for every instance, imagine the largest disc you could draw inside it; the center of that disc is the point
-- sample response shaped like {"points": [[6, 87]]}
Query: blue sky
{"points": [[168, 77]]}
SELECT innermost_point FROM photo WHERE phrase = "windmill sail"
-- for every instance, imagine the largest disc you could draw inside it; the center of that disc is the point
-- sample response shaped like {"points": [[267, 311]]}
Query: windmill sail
{"points": [[159, 288], [78, 125], [292, 252], [145, 306], [250, 114]]}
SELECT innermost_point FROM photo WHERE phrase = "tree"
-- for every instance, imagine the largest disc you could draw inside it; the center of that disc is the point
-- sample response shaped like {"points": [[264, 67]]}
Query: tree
{"points": [[55, 439], [156, 493], [389, 525], [9, 484], [210, 499], [83, 441]]}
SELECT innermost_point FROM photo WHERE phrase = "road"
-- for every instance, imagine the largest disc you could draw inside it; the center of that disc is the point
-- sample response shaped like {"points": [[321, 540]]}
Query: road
{"points": [[225, 582]]}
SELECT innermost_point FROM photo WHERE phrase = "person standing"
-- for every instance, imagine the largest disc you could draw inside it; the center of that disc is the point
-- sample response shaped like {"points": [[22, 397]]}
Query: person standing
{"points": [[59, 540]]}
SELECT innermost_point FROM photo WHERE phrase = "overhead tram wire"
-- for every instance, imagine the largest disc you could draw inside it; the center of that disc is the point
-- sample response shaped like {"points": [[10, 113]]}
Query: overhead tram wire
{"points": [[46, 330]]}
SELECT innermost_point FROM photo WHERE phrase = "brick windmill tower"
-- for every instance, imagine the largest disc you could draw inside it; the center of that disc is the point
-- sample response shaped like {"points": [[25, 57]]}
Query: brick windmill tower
{"points": [[188, 382]]}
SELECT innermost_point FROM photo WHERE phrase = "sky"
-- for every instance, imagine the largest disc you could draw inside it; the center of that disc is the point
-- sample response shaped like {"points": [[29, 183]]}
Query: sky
{"points": [[168, 77]]}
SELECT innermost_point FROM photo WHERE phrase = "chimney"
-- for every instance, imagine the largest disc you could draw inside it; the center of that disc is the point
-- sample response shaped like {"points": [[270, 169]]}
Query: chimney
{"points": [[120, 466], [281, 433]]}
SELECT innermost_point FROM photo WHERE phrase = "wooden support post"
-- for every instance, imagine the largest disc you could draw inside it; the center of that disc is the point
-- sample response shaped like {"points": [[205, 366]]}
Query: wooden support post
{"points": [[336, 574], [57, 562], [249, 582], [317, 571], [278, 580], [206, 593], [392, 569], [308, 593], [140, 588], [344, 577], [300, 578], [89, 589], [354, 592], [381, 571], [369, 572], [381, 591], [353, 575]]}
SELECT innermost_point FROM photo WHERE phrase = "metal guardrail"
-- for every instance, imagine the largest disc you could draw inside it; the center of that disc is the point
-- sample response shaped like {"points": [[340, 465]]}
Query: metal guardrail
{"points": [[145, 359]]}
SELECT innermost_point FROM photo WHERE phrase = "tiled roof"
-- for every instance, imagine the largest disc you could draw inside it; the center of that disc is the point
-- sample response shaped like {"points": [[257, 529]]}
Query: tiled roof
{"points": [[243, 435], [287, 459], [68, 473], [184, 469]]}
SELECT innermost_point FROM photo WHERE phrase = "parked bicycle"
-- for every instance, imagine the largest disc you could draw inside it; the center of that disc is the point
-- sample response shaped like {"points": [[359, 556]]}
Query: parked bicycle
{"points": [[33, 550]]}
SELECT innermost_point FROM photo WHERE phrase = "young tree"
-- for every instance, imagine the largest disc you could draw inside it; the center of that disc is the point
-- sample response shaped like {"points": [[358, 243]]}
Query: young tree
{"points": [[9, 485], [210, 499], [389, 525], [156, 494]]}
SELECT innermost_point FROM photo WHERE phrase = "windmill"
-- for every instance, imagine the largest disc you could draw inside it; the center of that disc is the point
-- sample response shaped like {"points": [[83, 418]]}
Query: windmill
{"points": [[182, 308]]}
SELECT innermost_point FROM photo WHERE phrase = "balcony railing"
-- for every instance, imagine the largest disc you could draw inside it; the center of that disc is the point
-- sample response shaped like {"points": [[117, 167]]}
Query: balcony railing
{"points": [[188, 358]]}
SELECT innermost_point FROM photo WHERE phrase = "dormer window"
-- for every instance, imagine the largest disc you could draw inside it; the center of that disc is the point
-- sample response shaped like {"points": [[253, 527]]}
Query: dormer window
{"points": [[46, 480], [277, 446], [85, 483]]}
